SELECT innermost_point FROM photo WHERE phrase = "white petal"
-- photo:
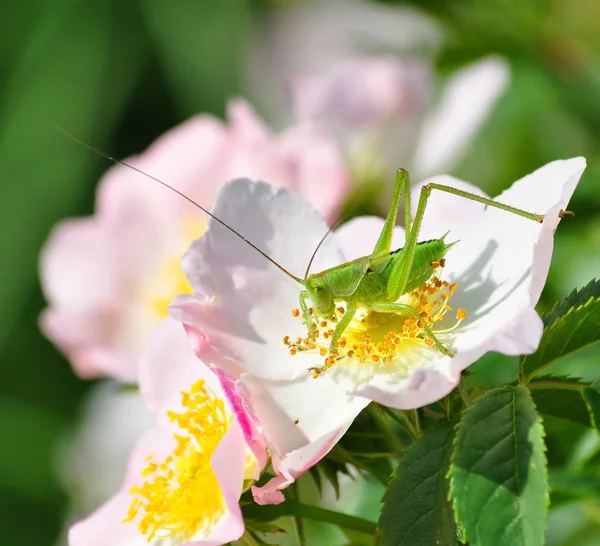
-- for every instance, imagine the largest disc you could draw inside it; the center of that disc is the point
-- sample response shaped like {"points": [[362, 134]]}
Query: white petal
{"points": [[251, 312], [545, 191], [446, 211], [501, 262], [466, 102], [423, 386], [500, 265], [296, 413], [357, 237]]}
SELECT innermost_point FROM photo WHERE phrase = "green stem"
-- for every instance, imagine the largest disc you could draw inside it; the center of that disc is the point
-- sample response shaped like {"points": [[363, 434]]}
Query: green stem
{"points": [[464, 393], [294, 494], [315, 513], [409, 427], [393, 442], [417, 422]]}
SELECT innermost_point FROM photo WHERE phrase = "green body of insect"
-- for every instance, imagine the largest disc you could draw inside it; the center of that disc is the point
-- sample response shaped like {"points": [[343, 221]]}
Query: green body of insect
{"points": [[377, 281]]}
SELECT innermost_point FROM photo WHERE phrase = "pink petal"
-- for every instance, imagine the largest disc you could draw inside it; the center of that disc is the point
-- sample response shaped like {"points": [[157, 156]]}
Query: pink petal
{"points": [[105, 528], [168, 367]]}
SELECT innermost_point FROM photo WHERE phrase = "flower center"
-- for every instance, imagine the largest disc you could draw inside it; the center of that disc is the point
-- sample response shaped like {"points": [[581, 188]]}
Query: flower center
{"points": [[181, 496], [168, 279], [380, 338]]}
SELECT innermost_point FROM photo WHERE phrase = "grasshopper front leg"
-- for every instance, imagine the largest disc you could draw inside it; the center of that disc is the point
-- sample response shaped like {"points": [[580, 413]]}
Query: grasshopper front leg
{"points": [[307, 316], [351, 307]]}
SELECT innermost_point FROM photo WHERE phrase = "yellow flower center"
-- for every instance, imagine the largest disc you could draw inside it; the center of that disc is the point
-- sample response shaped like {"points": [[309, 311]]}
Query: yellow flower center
{"points": [[181, 497], [380, 338], [168, 279]]}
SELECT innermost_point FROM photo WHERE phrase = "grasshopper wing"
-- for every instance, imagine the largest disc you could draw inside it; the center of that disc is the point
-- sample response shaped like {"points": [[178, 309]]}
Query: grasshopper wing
{"points": [[344, 279]]}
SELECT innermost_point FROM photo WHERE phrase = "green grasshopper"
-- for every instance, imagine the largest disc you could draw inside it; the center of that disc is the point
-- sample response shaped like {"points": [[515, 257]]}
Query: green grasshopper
{"points": [[377, 281]]}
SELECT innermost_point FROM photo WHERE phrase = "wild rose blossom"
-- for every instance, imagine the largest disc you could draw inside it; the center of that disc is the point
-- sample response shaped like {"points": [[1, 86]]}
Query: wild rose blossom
{"points": [[312, 38], [240, 318], [185, 476], [365, 71], [381, 110], [109, 277]]}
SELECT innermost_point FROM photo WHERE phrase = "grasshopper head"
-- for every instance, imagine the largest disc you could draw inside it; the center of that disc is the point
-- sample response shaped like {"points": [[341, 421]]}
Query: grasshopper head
{"points": [[320, 294]]}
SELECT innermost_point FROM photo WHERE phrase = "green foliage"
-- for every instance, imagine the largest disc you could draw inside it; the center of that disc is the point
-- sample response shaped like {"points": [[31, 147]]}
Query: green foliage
{"points": [[416, 510], [566, 398], [576, 298], [571, 326], [498, 476]]}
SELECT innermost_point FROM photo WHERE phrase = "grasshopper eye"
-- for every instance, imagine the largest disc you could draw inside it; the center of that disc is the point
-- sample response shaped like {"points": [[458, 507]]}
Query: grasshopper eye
{"points": [[318, 289]]}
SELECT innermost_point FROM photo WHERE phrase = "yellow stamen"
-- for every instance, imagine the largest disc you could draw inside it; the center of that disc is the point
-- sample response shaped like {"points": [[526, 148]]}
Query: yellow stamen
{"points": [[379, 338], [181, 497]]}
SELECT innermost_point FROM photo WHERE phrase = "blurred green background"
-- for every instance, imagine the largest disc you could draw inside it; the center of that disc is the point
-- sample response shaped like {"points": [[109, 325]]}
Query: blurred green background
{"points": [[118, 74]]}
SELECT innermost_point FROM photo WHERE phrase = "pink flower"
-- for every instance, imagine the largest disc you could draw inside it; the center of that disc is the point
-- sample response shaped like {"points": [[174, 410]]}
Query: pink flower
{"points": [[381, 111], [250, 331], [109, 277], [364, 70], [185, 476], [311, 38]]}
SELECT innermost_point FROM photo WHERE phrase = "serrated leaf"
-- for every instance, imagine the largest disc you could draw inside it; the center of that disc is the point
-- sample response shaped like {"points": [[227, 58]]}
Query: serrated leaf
{"points": [[574, 299], [498, 475], [578, 328], [416, 510], [566, 398]]}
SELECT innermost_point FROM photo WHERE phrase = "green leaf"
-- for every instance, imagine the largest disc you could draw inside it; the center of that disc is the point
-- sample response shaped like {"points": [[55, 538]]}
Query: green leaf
{"points": [[498, 475], [575, 299], [571, 326], [566, 398], [416, 510]]}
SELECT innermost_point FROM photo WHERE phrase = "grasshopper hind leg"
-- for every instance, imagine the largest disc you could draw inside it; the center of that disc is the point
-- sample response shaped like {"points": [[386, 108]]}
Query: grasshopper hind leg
{"points": [[401, 308]]}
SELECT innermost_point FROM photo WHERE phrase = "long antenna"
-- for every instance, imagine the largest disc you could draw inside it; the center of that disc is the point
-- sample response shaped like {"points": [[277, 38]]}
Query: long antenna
{"points": [[341, 218], [119, 162], [333, 226]]}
